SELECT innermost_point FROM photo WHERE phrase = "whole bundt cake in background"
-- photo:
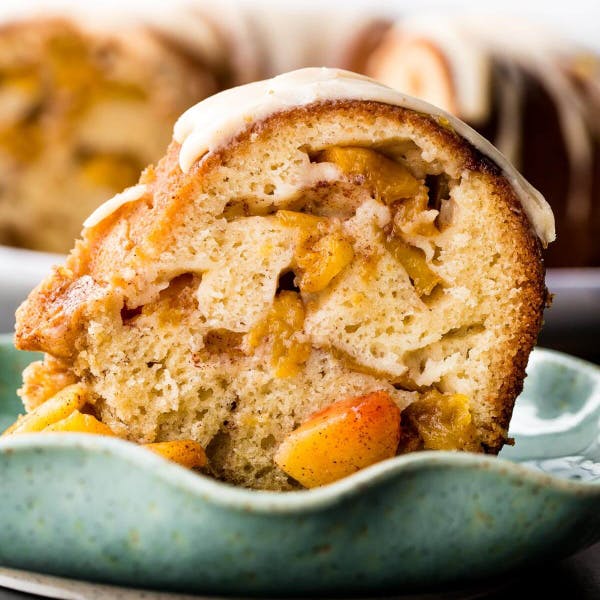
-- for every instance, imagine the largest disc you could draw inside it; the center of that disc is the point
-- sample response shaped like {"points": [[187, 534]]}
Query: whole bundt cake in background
{"points": [[534, 95], [87, 102], [314, 242]]}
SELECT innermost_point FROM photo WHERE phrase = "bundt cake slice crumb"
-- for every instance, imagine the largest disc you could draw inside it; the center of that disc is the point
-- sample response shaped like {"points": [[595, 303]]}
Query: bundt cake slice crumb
{"points": [[305, 242]]}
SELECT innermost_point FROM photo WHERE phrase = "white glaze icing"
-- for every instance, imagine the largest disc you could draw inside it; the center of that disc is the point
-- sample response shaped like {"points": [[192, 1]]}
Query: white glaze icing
{"points": [[213, 122], [130, 194]]}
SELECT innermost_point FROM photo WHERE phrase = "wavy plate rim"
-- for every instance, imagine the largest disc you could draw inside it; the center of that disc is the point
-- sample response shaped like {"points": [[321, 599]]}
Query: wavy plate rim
{"points": [[260, 501]]}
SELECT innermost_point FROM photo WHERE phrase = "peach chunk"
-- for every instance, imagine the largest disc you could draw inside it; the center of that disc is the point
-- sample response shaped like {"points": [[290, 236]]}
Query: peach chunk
{"points": [[389, 179], [326, 259], [414, 262], [187, 453], [78, 422], [283, 325], [443, 421], [307, 225], [341, 439], [56, 408], [415, 218], [321, 252]]}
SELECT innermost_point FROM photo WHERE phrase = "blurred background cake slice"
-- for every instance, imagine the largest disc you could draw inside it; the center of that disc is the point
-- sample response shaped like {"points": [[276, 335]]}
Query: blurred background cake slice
{"points": [[531, 92], [87, 101]]}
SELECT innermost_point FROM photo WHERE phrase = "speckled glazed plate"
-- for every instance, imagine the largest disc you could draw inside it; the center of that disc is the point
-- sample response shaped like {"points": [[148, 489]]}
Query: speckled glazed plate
{"points": [[104, 510], [50, 586]]}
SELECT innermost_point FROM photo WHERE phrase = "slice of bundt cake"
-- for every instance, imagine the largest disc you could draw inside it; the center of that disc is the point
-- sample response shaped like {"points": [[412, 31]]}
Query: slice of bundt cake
{"points": [[312, 243]]}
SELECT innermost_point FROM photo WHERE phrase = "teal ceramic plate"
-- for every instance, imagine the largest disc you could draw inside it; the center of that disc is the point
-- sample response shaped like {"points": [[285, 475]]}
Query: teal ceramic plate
{"points": [[104, 510], [50, 586]]}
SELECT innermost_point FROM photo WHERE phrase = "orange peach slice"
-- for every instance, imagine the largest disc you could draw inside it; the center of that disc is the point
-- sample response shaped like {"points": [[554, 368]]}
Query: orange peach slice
{"points": [[444, 421], [341, 439], [283, 324], [414, 262], [187, 453], [60, 406], [78, 422], [389, 179], [305, 223], [327, 258], [321, 254]]}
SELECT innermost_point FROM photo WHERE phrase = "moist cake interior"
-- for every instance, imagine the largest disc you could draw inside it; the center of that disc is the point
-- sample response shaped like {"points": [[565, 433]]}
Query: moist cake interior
{"points": [[326, 252]]}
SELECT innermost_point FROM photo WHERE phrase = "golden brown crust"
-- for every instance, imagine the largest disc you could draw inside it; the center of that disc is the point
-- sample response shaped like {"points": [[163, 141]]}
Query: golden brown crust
{"points": [[43, 379], [54, 312], [513, 360]]}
